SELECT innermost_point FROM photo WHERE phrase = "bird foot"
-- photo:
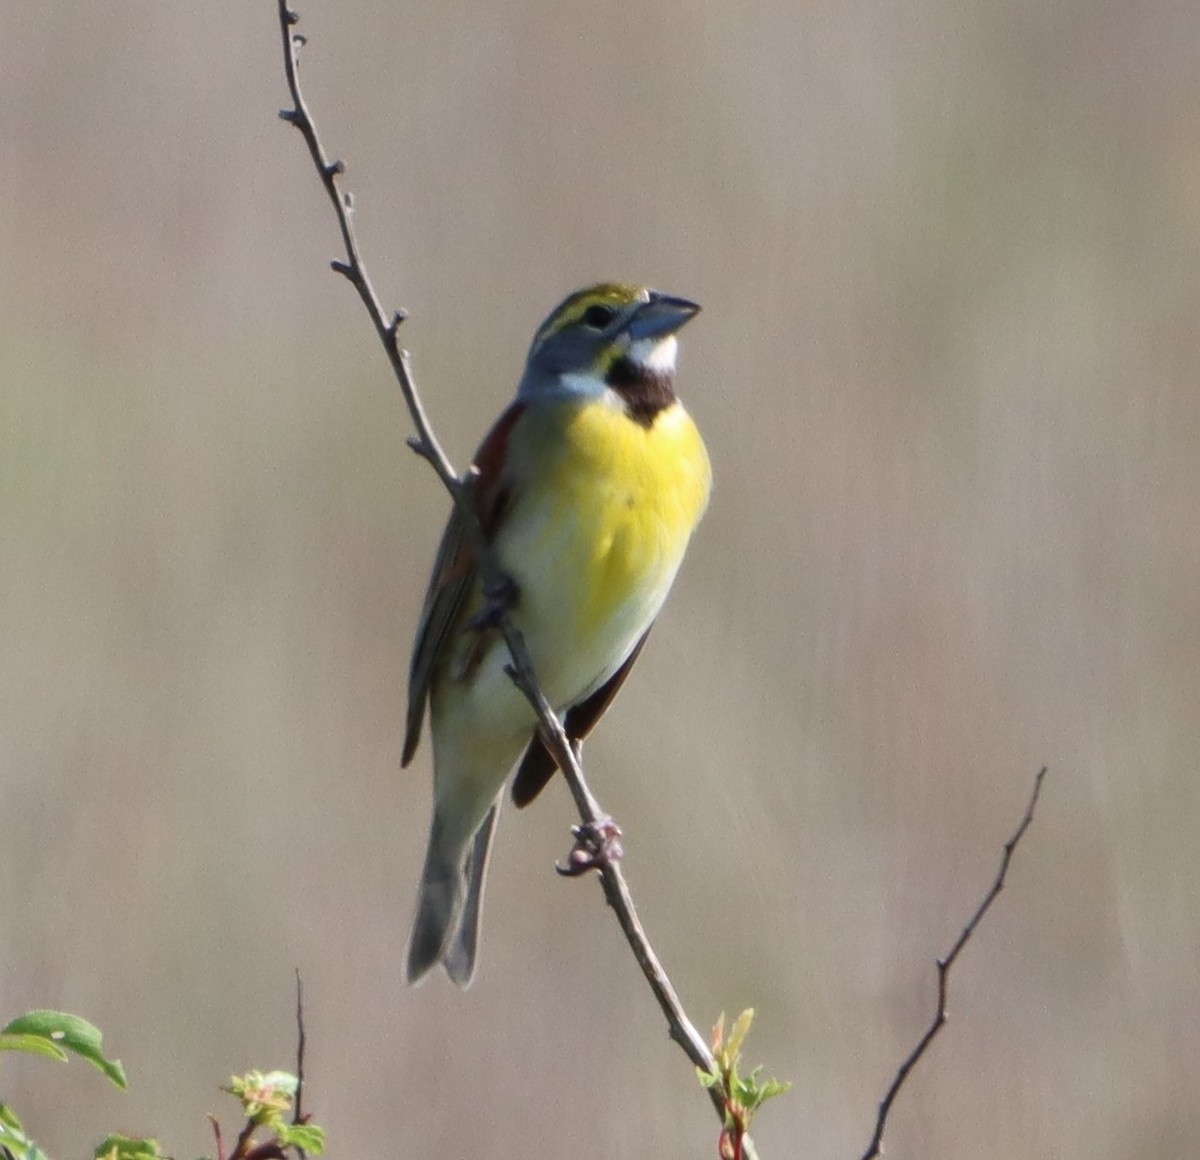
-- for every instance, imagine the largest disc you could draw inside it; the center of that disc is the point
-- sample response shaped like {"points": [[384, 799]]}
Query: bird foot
{"points": [[500, 598], [597, 845]]}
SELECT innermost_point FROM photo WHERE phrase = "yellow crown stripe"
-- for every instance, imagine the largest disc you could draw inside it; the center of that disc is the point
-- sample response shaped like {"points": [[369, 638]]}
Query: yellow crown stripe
{"points": [[618, 294]]}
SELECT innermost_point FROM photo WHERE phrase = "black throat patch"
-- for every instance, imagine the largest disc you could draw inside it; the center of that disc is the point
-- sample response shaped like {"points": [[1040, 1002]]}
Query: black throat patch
{"points": [[644, 391]]}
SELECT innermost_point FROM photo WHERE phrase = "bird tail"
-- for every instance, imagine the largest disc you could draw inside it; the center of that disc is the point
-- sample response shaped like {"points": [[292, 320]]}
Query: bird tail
{"points": [[450, 904]]}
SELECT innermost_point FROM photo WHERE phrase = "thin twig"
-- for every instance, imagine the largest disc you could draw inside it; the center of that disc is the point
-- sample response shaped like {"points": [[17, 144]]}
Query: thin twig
{"points": [[216, 1127], [426, 445], [616, 891], [298, 1116], [944, 966]]}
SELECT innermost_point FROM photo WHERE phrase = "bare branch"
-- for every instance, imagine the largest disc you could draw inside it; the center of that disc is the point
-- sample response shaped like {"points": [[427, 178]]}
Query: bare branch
{"points": [[352, 268], [298, 1116], [216, 1127], [425, 444], [616, 890], [944, 966]]}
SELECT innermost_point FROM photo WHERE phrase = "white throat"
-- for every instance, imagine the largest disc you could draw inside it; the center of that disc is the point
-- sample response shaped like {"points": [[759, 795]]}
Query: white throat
{"points": [[655, 354]]}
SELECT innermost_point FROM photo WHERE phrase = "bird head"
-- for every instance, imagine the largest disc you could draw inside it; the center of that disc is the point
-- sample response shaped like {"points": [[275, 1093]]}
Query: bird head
{"points": [[614, 341]]}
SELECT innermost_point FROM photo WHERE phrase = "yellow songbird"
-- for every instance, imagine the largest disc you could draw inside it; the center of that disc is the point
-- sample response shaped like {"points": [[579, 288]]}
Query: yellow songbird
{"points": [[590, 485]]}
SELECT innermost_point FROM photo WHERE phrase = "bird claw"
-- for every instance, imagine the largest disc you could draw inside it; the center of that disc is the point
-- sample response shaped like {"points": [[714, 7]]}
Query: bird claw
{"points": [[500, 598], [597, 845]]}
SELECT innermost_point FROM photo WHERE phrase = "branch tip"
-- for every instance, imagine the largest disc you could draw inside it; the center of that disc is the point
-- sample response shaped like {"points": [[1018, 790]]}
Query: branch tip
{"points": [[945, 964], [298, 1115], [216, 1128]]}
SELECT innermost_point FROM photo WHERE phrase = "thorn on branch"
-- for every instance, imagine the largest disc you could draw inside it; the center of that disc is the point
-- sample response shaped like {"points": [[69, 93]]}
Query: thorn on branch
{"points": [[291, 116], [419, 447], [290, 16], [520, 677], [343, 268], [335, 168], [298, 38], [398, 317]]}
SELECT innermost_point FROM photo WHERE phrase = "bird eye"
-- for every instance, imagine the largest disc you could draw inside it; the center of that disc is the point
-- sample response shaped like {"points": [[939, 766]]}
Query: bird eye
{"points": [[598, 317]]}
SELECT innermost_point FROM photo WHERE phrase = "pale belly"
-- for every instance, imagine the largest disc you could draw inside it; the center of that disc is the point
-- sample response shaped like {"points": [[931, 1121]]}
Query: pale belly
{"points": [[591, 583]]}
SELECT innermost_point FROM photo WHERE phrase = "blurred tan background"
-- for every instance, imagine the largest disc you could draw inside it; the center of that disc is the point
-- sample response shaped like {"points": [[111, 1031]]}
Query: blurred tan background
{"points": [[947, 370]]}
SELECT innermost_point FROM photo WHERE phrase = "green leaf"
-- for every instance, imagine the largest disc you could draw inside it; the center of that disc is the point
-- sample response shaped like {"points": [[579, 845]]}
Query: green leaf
{"points": [[14, 1144], [773, 1088], [117, 1147], [32, 1044], [72, 1033], [306, 1136], [738, 1033], [743, 1094]]}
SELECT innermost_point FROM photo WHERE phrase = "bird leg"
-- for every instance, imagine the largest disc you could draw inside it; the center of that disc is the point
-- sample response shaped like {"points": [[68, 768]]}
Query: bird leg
{"points": [[499, 599], [597, 844]]}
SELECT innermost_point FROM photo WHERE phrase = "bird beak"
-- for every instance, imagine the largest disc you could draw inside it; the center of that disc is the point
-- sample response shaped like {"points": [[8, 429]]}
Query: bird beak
{"points": [[661, 316]]}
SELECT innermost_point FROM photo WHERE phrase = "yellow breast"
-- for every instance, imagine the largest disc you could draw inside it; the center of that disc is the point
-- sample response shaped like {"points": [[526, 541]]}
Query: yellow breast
{"points": [[604, 517]]}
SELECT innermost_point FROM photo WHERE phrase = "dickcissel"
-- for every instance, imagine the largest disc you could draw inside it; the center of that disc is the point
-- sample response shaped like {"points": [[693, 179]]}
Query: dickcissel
{"points": [[588, 489]]}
